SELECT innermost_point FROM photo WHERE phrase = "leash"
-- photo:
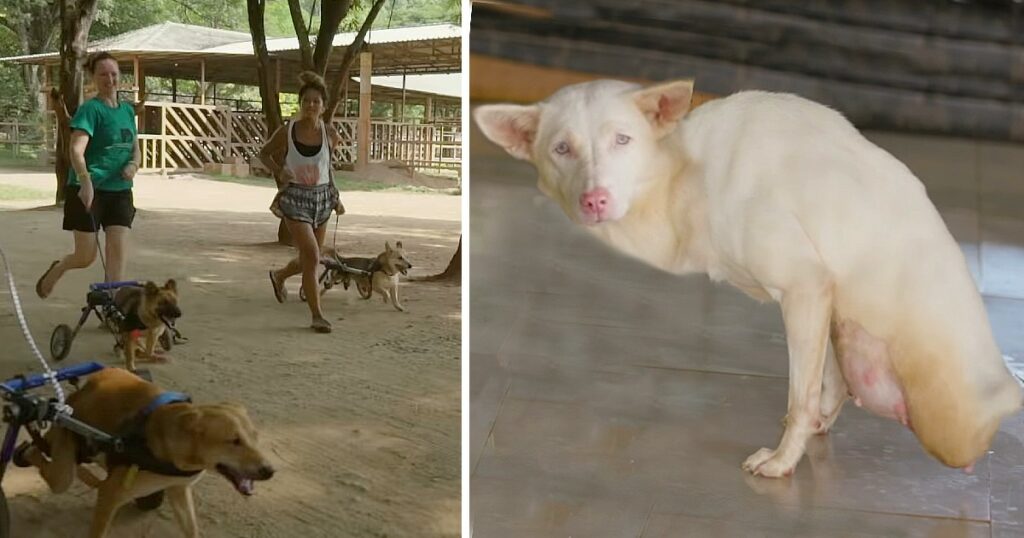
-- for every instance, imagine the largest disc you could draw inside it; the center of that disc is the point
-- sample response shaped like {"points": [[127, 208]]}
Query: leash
{"points": [[99, 250], [50, 375], [337, 217]]}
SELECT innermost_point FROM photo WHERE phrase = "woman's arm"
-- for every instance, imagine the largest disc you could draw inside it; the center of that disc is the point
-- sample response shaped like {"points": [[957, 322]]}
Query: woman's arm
{"points": [[273, 153], [133, 165], [335, 137], [79, 141]]}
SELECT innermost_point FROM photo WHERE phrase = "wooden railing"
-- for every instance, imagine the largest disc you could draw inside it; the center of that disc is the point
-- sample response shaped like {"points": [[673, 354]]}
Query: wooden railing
{"points": [[20, 137], [184, 137]]}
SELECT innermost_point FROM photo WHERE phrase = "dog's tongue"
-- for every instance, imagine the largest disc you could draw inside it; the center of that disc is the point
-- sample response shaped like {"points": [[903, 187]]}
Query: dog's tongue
{"points": [[245, 486]]}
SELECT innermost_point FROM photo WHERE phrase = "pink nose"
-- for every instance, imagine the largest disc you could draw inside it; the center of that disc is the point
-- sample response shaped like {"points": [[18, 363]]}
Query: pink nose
{"points": [[595, 201]]}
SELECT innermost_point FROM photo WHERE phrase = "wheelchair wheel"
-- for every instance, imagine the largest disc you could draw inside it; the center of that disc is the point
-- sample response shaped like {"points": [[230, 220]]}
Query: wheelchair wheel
{"points": [[5, 517], [60, 342], [150, 502], [167, 340]]}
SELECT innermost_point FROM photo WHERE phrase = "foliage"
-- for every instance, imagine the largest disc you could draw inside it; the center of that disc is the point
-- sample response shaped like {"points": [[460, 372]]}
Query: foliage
{"points": [[119, 16], [400, 13]]}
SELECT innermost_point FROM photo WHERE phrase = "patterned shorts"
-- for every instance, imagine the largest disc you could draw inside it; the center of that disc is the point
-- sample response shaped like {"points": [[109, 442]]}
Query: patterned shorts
{"points": [[306, 204]]}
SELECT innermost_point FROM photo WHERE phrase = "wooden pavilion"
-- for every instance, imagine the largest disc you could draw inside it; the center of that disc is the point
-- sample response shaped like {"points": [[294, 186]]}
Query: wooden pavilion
{"points": [[417, 65]]}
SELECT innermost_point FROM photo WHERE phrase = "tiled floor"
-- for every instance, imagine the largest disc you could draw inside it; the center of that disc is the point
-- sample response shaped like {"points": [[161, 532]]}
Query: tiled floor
{"points": [[609, 399]]}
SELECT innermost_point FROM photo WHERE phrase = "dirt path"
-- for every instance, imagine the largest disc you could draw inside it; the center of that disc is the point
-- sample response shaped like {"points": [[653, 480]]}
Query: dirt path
{"points": [[362, 424]]}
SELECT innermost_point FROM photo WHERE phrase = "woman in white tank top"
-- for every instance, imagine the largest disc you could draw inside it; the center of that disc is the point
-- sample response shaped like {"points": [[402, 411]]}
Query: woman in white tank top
{"points": [[299, 156]]}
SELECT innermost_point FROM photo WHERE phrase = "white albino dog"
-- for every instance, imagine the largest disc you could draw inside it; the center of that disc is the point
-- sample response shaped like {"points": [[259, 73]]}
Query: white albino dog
{"points": [[784, 199]]}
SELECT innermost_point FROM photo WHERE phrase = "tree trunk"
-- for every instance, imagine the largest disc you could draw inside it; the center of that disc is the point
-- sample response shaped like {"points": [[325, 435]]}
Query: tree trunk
{"points": [[268, 93], [299, 23], [34, 24], [76, 18], [331, 15], [452, 273], [339, 84]]}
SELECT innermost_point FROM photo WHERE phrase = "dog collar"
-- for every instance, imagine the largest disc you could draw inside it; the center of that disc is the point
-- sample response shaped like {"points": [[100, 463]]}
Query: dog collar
{"points": [[163, 399], [136, 453]]}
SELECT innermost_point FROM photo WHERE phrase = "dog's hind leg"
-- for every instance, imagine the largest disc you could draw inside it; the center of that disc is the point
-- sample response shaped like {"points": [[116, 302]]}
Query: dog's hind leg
{"points": [[181, 501], [805, 312], [59, 470]]}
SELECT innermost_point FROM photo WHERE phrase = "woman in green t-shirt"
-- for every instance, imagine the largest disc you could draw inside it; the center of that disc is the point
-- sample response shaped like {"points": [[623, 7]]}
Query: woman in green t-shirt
{"points": [[104, 159]]}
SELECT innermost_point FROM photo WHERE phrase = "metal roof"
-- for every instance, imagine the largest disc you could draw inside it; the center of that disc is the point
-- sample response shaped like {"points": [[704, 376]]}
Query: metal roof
{"points": [[175, 50]]}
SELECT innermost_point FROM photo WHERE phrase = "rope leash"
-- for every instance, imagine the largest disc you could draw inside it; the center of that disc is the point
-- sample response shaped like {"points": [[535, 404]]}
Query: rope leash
{"points": [[50, 374]]}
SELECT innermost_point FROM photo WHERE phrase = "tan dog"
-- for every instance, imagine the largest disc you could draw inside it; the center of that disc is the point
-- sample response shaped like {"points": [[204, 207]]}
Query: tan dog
{"points": [[145, 309], [385, 270], [191, 438]]}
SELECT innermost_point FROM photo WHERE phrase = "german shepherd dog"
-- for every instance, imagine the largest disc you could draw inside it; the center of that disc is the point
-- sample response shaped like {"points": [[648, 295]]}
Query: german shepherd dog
{"points": [[147, 310], [383, 273]]}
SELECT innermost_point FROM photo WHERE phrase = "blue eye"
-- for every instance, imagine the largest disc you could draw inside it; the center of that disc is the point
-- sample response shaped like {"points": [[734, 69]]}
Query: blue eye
{"points": [[562, 148], [622, 139]]}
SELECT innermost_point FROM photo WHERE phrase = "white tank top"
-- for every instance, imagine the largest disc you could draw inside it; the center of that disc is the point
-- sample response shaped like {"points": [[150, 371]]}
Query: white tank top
{"points": [[312, 170]]}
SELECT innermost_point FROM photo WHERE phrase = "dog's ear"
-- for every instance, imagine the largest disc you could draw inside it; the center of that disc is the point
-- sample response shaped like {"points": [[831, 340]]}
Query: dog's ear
{"points": [[189, 423], [398, 244], [387, 246], [151, 288], [234, 407], [513, 127], [171, 285], [664, 104]]}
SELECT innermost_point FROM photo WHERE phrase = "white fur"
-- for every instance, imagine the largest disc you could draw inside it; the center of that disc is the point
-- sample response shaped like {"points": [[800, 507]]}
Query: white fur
{"points": [[786, 200]]}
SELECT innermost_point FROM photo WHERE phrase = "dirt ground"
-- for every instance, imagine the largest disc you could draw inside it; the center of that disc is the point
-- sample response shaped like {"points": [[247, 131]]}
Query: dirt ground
{"points": [[362, 424]]}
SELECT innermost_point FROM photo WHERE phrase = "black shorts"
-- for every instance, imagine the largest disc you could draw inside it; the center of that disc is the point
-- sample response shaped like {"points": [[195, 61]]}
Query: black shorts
{"points": [[108, 209]]}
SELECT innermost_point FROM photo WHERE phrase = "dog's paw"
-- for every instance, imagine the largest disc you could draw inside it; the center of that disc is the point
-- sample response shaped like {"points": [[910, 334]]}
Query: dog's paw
{"points": [[765, 462]]}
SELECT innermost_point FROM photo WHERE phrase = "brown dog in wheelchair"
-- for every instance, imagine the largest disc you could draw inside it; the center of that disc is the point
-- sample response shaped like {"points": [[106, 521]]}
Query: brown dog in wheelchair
{"points": [[147, 310], [192, 438]]}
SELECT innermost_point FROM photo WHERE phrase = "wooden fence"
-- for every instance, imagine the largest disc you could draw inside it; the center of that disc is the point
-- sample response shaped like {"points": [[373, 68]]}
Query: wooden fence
{"points": [[178, 136], [184, 137], [24, 139]]}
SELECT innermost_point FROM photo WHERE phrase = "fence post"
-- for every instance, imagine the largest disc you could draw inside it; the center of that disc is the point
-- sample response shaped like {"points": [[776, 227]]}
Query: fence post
{"points": [[229, 145], [163, 140], [17, 142]]}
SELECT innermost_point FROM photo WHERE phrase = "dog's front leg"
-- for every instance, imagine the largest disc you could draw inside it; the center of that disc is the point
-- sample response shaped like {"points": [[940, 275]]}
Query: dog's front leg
{"points": [[130, 341], [109, 498], [181, 501], [806, 313], [833, 392], [394, 298]]}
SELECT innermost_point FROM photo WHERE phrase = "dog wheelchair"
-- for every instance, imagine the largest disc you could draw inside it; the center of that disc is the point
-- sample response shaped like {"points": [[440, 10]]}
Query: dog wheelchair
{"points": [[333, 266], [35, 413], [100, 300]]}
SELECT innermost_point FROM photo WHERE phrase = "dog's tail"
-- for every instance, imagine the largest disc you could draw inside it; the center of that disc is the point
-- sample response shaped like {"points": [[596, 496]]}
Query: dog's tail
{"points": [[955, 399]]}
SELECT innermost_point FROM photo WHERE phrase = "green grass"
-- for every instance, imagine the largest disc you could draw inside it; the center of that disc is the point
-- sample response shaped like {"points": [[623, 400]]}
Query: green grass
{"points": [[253, 181], [10, 193], [344, 184], [25, 159]]}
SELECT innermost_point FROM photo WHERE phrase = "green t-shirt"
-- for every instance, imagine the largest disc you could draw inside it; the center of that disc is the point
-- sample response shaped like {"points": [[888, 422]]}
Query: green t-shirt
{"points": [[112, 135]]}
